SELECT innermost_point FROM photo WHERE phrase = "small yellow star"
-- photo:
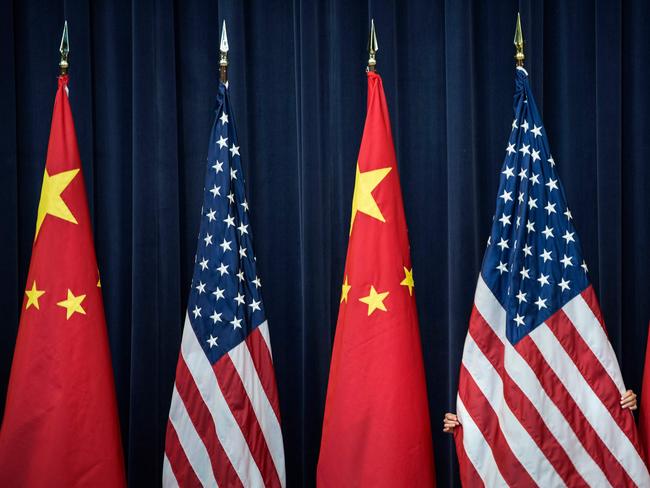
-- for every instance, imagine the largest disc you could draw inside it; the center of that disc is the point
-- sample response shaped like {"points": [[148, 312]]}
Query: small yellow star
{"points": [[72, 304], [32, 296], [362, 200], [408, 280], [345, 288], [51, 202], [375, 300]]}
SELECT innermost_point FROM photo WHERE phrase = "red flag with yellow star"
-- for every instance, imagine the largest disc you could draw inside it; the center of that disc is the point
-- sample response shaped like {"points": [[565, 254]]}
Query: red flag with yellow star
{"points": [[60, 426], [376, 429]]}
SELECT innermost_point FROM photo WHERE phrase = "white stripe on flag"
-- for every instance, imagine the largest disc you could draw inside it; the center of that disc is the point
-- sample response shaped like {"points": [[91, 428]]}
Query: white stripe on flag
{"points": [[590, 405], [228, 432], [522, 445], [168, 478], [264, 330], [593, 334], [490, 309], [243, 362], [521, 373], [477, 449], [190, 442]]}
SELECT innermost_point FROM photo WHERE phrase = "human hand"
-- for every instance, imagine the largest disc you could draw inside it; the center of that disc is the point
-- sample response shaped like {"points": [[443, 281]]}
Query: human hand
{"points": [[450, 422], [628, 400]]}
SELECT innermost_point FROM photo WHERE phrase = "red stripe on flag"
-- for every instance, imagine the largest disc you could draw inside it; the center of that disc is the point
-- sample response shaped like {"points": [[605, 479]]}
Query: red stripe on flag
{"points": [[494, 350], [486, 420], [264, 366], [181, 467], [235, 394], [468, 474], [589, 438], [594, 372], [204, 424]]}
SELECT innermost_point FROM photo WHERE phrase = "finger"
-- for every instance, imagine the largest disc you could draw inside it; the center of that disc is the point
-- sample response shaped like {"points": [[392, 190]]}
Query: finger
{"points": [[633, 407], [628, 398], [629, 403], [628, 394]]}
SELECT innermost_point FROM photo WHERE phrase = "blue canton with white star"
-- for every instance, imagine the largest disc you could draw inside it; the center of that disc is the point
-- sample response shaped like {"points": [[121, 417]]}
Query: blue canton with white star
{"points": [[533, 263], [225, 303]]}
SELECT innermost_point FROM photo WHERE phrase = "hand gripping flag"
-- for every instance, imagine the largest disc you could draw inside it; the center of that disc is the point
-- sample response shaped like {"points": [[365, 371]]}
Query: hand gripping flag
{"points": [[376, 429], [539, 389], [224, 419], [60, 426]]}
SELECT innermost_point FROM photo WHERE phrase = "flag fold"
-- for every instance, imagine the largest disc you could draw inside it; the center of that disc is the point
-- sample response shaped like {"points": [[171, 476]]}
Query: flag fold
{"points": [[376, 429], [540, 385], [60, 425], [224, 418]]}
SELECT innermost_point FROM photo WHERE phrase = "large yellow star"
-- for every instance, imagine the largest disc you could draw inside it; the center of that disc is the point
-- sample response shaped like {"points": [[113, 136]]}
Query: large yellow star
{"points": [[408, 280], [72, 304], [345, 289], [51, 202], [32, 296], [375, 300], [362, 200]]}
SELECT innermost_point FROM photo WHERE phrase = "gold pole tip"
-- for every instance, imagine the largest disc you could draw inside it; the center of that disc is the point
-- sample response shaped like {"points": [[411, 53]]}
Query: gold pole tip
{"points": [[223, 46], [64, 49], [519, 43], [373, 47], [223, 54]]}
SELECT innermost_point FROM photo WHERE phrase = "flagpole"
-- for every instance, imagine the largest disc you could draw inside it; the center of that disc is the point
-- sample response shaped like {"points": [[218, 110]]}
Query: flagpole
{"points": [[223, 55], [373, 47], [64, 49], [519, 43]]}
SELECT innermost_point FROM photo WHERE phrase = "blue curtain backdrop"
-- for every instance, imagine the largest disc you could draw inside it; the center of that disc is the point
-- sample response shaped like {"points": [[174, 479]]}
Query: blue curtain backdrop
{"points": [[143, 82]]}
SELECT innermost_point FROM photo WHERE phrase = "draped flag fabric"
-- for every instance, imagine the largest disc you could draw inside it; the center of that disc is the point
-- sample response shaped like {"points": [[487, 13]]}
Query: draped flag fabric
{"points": [[60, 427], [224, 419], [539, 389], [644, 405], [376, 429]]}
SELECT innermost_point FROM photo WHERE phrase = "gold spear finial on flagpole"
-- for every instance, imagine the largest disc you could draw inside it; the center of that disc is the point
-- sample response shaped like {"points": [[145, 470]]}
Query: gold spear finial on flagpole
{"points": [[223, 55], [64, 49], [519, 43], [373, 47]]}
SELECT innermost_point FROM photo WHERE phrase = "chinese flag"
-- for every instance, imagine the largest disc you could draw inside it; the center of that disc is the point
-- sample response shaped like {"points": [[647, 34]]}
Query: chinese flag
{"points": [[376, 429], [644, 406], [60, 426]]}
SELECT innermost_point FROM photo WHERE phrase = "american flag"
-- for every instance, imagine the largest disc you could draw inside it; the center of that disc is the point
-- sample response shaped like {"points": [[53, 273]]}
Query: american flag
{"points": [[224, 419], [539, 388]]}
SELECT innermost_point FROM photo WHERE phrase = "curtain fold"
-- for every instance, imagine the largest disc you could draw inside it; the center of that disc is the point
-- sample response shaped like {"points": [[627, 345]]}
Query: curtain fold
{"points": [[143, 81]]}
